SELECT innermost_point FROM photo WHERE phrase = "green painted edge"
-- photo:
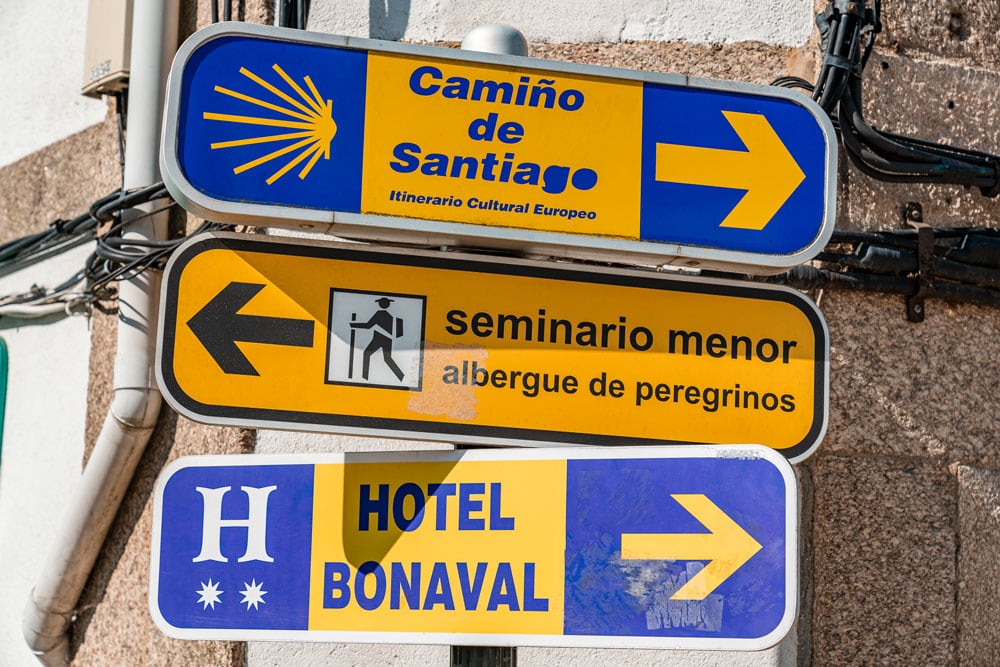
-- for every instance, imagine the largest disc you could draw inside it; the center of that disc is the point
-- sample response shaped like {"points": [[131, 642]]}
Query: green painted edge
{"points": [[4, 369]]}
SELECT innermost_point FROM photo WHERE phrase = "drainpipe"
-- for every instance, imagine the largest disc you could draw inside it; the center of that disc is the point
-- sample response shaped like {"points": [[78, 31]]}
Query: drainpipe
{"points": [[51, 608]]}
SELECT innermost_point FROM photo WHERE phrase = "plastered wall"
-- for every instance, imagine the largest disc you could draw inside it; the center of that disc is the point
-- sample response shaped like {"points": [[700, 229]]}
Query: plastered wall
{"points": [[42, 103], [47, 125], [565, 21]]}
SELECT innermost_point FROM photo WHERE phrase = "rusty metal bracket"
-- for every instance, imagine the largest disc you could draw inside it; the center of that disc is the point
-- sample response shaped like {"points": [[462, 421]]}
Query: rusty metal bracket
{"points": [[915, 309]]}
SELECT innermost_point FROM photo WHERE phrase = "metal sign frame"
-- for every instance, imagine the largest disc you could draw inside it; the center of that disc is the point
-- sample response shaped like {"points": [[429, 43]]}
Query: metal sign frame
{"points": [[770, 572], [427, 230]]}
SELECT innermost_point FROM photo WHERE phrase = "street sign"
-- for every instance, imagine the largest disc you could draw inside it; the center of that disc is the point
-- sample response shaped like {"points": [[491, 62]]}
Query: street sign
{"points": [[388, 141], [373, 341], [665, 547]]}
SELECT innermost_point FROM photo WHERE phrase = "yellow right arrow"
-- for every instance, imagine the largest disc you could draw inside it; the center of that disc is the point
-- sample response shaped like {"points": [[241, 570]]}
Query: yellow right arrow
{"points": [[726, 546], [766, 170]]}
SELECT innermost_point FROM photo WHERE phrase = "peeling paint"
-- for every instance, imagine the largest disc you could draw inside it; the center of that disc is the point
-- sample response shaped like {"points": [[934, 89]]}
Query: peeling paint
{"points": [[654, 583], [448, 400]]}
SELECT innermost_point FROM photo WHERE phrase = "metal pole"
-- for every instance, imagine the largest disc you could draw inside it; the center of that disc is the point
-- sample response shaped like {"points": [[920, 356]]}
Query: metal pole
{"points": [[503, 39], [350, 352]]}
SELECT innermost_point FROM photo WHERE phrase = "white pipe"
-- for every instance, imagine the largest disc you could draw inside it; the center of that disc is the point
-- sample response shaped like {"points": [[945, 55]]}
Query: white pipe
{"points": [[136, 404]]}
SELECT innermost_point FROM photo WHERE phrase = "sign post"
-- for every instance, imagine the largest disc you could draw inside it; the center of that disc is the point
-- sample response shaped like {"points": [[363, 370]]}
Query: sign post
{"points": [[388, 141], [689, 547], [441, 346]]}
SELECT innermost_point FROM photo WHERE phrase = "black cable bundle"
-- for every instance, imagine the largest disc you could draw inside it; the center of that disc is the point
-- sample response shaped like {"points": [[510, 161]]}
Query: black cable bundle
{"points": [[227, 10], [848, 29], [965, 265], [293, 13], [118, 258], [115, 257]]}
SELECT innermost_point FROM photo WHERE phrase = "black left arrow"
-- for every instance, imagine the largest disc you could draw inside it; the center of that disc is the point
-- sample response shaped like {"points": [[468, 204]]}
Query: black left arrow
{"points": [[219, 326]]}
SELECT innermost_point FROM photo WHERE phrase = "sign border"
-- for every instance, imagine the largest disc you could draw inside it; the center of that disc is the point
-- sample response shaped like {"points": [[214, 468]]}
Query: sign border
{"points": [[560, 452], [447, 432], [420, 231]]}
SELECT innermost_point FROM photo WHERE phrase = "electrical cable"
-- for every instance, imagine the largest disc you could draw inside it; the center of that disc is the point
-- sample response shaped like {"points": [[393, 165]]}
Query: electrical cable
{"points": [[965, 265], [848, 29], [293, 13], [809, 277], [121, 113], [965, 262], [114, 257], [793, 82], [227, 10], [302, 12]]}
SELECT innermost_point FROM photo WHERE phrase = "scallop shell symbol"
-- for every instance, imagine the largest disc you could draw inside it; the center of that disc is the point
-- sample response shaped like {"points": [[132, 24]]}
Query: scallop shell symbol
{"points": [[310, 116]]}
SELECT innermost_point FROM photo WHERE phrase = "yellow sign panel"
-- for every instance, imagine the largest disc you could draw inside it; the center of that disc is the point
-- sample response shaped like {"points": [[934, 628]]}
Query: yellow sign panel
{"points": [[354, 530], [453, 150], [346, 339]]}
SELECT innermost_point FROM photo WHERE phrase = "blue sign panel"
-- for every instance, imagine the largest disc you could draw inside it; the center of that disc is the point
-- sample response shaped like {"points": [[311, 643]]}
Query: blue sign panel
{"points": [[382, 140], [216, 126], [663, 547], [752, 195]]}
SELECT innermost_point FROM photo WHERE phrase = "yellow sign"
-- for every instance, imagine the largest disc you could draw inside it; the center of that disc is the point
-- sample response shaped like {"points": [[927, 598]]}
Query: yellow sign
{"points": [[402, 515], [347, 339], [495, 164]]}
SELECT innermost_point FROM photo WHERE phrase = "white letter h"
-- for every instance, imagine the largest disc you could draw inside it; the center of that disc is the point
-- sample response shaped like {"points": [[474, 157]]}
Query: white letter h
{"points": [[255, 523]]}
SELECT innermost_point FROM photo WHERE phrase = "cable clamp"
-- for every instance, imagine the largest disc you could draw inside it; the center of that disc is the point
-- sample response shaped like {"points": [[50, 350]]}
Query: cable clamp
{"points": [[840, 62], [915, 309], [993, 190]]}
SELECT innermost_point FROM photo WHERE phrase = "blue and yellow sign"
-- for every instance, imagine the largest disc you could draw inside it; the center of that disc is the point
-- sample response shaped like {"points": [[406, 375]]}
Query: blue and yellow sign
{"points": [[390, 141], [691, 547]]}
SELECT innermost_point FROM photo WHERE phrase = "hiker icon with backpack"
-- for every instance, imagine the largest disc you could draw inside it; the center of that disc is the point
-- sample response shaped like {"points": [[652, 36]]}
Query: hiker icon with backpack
{"points": [[385, 328]]}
